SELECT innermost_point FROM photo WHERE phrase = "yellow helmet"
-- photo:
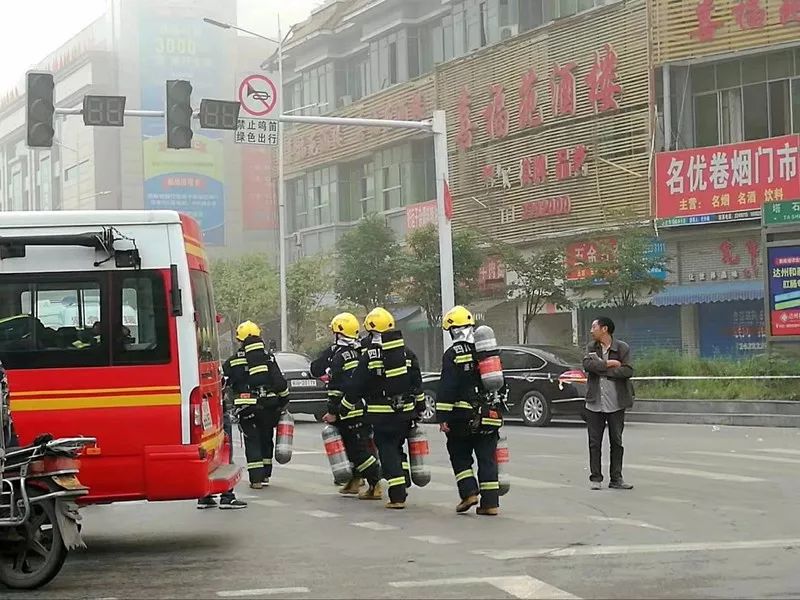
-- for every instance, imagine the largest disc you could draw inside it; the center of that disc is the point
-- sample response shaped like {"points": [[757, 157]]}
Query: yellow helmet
{"points": [[345, 324], [246, 329], [458, 316], [380, 320]]}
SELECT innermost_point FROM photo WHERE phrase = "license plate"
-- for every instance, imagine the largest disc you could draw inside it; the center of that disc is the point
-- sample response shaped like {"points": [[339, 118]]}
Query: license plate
{"points": [[68, 482], [206, 415], [304, 383]]}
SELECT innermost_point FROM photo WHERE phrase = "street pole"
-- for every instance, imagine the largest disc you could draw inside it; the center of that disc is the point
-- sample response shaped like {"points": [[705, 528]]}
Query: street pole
{"points": [[439, 127], [282, 205]]}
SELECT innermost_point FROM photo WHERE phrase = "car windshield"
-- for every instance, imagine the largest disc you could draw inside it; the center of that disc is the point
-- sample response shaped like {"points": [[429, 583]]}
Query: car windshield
{"points": [[562, 355], [292, 362]]}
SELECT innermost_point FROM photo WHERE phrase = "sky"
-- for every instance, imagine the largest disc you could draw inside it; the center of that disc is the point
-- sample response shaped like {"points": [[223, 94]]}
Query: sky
{"points": [[26, 38]]}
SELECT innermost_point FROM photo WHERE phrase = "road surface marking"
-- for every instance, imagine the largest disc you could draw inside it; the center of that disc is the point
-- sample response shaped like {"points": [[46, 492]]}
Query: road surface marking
{"points": [[636, 549], [624, 521], [375, 526], [523, 482], [263, 592], [779, 451], [269, 503], [306, 452], [321, 514], [434, 539], [557, 520], [307, 469], [775, 459], [695, 473], [669, 500], [520, 586]]}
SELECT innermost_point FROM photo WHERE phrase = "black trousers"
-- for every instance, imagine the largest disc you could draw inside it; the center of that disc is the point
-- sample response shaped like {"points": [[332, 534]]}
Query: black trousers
{"points": [[259, 443], [461, 445], [596, 424], [389, 438], [356, 443]]}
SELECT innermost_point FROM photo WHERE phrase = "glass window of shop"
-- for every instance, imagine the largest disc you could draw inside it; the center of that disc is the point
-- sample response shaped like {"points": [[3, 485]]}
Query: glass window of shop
{"points": [[744, 99], [318, 89], [390, 174], [321, 193], [357, 191], [296, 205]]}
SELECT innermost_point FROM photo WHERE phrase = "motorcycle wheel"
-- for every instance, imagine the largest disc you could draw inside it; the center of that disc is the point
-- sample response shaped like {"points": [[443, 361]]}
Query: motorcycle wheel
{"points": [[33, 562]]}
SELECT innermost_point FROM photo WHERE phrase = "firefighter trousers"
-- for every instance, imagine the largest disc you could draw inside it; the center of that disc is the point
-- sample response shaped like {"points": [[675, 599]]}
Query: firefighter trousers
{"points": [[461, 446], [356, 443], [259, 444], [389, 438]]}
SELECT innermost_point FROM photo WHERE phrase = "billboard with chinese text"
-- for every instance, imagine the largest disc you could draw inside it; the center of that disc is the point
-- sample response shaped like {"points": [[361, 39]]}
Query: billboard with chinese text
{"points": [[189, 181], [784, 290], [734, 179], [581, 255], [259, 189], [420, 215]]}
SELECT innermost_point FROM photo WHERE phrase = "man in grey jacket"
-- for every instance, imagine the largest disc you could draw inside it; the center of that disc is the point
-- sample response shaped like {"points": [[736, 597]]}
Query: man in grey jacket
{"points": [[609, 392]]}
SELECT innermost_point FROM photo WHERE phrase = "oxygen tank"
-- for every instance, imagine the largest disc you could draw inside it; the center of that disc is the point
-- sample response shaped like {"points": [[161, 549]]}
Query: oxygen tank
{"points": [[284, 438], [501, 456], [372, 448], [337, 455], [489, 365], [419, 451]]}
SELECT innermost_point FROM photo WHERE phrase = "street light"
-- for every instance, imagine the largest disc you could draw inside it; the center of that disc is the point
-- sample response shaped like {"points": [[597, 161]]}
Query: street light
{"points": [[281, 191]]}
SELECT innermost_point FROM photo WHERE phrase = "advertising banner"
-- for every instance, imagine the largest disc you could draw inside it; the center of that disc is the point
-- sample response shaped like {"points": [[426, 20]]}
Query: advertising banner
{"points": [[784, 290]]}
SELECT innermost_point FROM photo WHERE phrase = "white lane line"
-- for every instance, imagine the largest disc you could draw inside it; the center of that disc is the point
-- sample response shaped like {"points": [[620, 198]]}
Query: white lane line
{"points": [[556, 520], [517, 586], [321, 514], [263, 592], [434, 539], [522, 482], [374, 526], [695, 473], [637, 549], [625, 521], [669, 500], [306, 452], [269, 503], [774, 459], [307, 469], [779, 451]]}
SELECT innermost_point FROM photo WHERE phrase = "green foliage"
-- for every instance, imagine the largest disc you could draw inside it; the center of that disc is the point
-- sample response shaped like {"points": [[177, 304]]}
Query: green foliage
{"points": [[625, 269], [307, 282], [540, 279], [421, 270], [367, 266], [245, 288]]}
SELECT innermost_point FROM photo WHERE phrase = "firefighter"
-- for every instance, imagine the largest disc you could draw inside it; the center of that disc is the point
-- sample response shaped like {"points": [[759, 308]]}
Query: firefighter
{"points": [[345, 410], [389, 379], [262, 397], [469, 416]]}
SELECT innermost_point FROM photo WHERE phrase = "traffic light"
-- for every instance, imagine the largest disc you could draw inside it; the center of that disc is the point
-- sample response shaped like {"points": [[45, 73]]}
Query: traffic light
{"points": [[40, 110], [179, 114]]}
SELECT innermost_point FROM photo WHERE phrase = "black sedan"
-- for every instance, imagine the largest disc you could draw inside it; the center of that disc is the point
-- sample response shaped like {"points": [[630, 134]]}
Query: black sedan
{"points": [[542, 383], [306, 393]]}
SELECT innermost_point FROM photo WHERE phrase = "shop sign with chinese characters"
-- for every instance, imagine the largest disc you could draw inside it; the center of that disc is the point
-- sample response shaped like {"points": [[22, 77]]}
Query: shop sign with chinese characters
{"points": [[421, 214], [779, 213], [580, 256], [735, 179], [258, 132], [784, 287], [492, 275]]}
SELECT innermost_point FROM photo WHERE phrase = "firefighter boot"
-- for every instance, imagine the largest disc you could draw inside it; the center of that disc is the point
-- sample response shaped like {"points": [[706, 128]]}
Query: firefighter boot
{"points": [[353, 487], [396, 505], [373, 492], [489, 512], [466, 504]]}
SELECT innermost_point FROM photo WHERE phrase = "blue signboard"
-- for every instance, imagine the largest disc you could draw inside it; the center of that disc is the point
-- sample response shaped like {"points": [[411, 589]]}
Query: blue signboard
{"points": [[783, 271]]}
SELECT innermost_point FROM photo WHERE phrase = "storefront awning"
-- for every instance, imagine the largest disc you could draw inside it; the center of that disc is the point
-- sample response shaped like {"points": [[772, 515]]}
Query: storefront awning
{"points": [[703, 293]]}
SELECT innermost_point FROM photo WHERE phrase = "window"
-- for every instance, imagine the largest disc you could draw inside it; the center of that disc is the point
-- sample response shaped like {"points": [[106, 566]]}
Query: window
{"points": [[140, 329], [531, 14], [706, 120], [205, 317], [517, 360], [731, 116], [53, 321], [780, 108], [296, 200], [756, 111], [483, 18], [393, 63]]}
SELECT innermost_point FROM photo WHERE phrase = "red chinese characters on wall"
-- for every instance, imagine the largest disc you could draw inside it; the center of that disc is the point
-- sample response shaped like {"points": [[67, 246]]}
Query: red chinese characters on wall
{"points": [[547, 207], [533, 170], [602, 80], [529, 113], [731, 257], [496, 114], [563, 89], [571, 162], [492, 274], [789, 12], [749, 14], [259, 189], [580, 256], [464, 136], [707, 27]]}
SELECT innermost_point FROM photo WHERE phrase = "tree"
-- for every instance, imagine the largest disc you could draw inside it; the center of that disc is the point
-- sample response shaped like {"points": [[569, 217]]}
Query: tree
{"points": [[626, 269], [307, 282], [368, 259], [421, 270], [540, 279], [245, 288]]}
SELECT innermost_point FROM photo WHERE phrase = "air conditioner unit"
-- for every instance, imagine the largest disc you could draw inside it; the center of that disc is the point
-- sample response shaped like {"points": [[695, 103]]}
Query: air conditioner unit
{"points": [[346, 100], [508, 31]]}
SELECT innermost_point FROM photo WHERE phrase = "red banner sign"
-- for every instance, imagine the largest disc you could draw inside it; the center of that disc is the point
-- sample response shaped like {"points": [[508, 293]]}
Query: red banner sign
{"points": [[420, 215], [259, 202], [726, 179], [548, 207], [581, 255]]}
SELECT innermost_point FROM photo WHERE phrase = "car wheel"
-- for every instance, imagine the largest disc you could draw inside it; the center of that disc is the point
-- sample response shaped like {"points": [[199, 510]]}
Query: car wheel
{"points": [[535, 410], [429, 414]]}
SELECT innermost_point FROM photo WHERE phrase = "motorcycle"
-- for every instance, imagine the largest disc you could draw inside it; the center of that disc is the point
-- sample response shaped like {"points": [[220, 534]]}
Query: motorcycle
{"points": [[39, 519]]}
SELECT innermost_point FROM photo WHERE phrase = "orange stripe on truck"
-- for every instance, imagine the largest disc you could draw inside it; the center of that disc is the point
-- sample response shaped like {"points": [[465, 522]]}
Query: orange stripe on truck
{"points": [[116, 401], [99, 391]]}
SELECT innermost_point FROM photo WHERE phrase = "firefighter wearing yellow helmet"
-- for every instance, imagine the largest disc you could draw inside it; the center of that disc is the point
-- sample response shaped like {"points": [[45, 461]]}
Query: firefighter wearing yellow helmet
{"points": [[345, 410], [467, 413], [388, 377]]}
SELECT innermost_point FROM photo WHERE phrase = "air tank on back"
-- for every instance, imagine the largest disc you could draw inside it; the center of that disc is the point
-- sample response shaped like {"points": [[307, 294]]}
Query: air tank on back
{"points": [[489, 365]]}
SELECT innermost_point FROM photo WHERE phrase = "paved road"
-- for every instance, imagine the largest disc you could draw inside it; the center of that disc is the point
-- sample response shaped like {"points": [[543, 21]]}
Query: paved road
{"points": [[714, 514]]}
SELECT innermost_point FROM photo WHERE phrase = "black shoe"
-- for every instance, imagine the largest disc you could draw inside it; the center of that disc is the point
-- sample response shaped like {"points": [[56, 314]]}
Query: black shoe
{"points": [[620, 485], [207, 502], [232, 504]]}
